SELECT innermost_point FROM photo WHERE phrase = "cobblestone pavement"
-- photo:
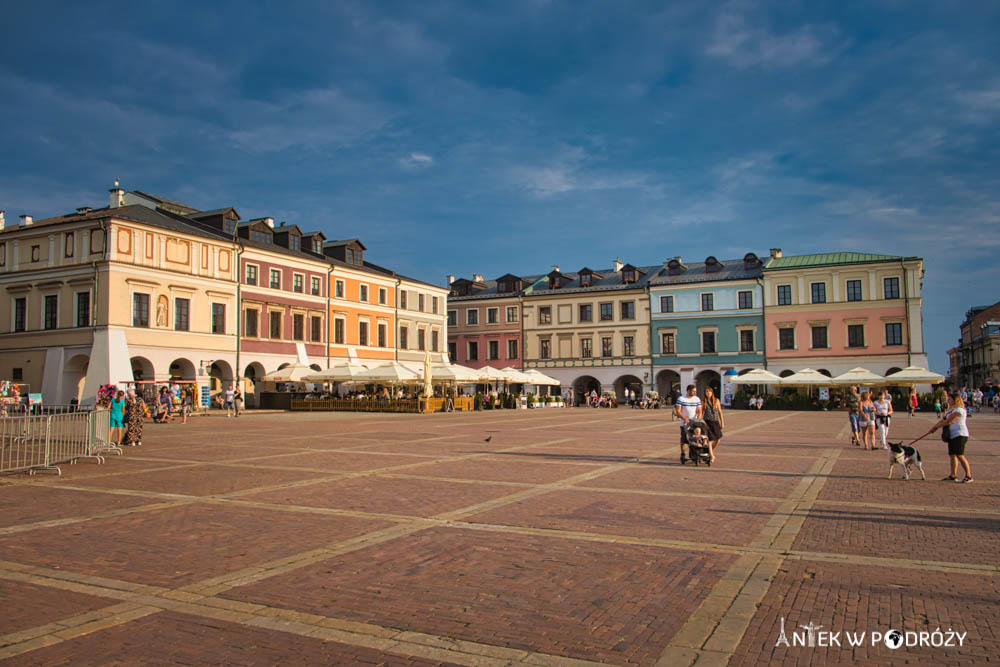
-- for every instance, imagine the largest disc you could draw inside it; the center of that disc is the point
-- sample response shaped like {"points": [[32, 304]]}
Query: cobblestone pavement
{"points": [[572, 537]]}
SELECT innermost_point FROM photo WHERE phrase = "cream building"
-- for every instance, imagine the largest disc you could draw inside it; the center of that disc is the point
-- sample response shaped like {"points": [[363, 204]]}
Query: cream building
{"points": [[102, 296], [421, 321]]}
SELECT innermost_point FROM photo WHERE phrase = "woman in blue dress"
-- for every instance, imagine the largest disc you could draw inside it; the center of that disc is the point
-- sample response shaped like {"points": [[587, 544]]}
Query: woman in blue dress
{"points": [[117, 417]]}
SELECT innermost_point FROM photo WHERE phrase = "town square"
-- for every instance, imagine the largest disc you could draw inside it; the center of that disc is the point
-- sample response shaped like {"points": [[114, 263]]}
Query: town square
{"points": [[473, 333]]}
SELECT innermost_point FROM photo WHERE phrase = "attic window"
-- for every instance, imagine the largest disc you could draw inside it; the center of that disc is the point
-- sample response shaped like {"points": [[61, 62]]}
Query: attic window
{"points": [[229, 224], [629, 275], [260, 236], [586, 279], [554, 282], [293, 242], [317, 246], [352, 256], [750, 261], [712, 265]]}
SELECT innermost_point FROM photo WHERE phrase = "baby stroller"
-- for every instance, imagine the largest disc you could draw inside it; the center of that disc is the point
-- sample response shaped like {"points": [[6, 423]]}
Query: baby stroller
{"points": [[698, 454]]}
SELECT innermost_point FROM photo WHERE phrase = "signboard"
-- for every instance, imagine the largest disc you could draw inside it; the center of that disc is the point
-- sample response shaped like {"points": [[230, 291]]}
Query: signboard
{"points": [[727, 391], [824, 393], [205, 396]]}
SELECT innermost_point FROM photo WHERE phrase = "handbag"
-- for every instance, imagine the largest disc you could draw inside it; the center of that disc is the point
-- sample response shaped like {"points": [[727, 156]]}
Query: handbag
{"points": [[945, 433]]}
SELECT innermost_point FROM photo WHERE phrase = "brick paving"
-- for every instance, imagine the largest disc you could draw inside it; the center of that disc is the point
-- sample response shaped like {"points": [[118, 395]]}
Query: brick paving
{"points": [[572, 534]]}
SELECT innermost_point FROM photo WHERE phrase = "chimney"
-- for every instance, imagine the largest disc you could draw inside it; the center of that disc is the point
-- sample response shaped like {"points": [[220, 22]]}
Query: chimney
{"points": [[451, 278], [2, 221], [117, 198], [26, 220], [618, 264], [269, 222], [775, 253], [477, 277], [555, 267]]}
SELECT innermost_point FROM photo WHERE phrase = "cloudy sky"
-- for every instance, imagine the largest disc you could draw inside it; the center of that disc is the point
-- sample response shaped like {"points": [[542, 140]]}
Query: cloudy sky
{"points": [[487, 137]]}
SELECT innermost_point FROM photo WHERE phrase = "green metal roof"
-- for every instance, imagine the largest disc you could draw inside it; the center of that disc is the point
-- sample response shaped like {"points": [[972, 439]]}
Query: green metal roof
{"points": [[828, 259]]}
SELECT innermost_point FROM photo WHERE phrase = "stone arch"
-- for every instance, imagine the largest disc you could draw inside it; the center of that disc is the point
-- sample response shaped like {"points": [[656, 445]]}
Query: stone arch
{"points": [[583, 385], [182, 369], [630, 381], [786, 373], [254, 371], [824, 372], [667, 381], [894, 369], [74, 378], [316, 367], [220, 376], [284, 365], [708, 378], [142, 369]]}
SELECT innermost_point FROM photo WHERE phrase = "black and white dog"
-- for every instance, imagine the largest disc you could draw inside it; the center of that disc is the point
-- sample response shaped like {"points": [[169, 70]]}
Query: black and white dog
{"points": [[905, 456]]}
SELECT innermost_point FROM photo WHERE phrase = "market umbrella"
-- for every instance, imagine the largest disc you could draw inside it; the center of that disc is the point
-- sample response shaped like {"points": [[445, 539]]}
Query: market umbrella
{"points": [[857, 376], [341, 371], [389, 373], [290, 373], [514, 375], [807, 377], [489, 375], [913, 375], [539, 378], [455, 373], [757, 376]]}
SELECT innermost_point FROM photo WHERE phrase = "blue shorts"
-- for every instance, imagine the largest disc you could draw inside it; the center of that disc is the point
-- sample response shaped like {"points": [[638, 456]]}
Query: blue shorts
{"points": [[854, 422], [117, 421]]}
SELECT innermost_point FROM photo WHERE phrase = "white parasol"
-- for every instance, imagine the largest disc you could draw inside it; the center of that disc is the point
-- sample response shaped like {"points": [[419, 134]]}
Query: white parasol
{"points": [[858, 376], [757, 376], [290, 373], [913, 375], [807, 377]]}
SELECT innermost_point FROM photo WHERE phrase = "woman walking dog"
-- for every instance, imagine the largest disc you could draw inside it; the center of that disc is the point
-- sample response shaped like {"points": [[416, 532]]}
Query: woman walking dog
{"points": [[956, 435]]}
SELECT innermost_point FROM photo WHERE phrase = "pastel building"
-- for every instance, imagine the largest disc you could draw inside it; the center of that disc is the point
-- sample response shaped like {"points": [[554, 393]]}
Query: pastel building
{"points": [[484, 321], [835, 311], [706, 318], [421, 316], [975, 361]]}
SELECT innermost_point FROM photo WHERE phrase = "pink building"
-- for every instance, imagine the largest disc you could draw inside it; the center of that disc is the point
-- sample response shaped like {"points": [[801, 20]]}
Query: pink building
{"points": [[484, 321]]}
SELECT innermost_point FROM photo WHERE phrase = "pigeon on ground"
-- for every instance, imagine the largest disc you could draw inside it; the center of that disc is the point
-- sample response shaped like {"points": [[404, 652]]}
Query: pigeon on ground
{"points": [[488, 439]]}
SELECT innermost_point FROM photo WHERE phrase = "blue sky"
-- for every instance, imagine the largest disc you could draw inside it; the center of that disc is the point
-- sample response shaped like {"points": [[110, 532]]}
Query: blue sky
{"points": [[491, 137]]}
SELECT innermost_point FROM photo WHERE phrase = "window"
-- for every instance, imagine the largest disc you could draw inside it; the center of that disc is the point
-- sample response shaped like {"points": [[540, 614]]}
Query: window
{"points": [[893, 333], [140, 310], [820, 339], [434, 341], [818, 292], [382, 295], [471, 317], [512, 349], [317, 246], [786, 338], [293, 242], [314, 286], [218, 318], [784, 295], [585, 279], [297, 281], [745, 299], [420, 302], [298, 326], [339, 327], [383, 334], [35, 253], [83, 309], [260, 236], [586, 312], [667, 344], [628, 346], [607, 311], [434, 305], [607, 349], [746, 340], [586, 347], [473, 351], [708, 301], [275, 279], [708, 342], [251, 274], [229, 225], [855, 335], [17, 374], [492, 315], [3, 254], [628, 310], [511, 313], [51, 312], [666, 304], [353, 256], [452, 318], [544, 349], [402, 298], [339, 289], [545, 315], [182, 314], [69, 243], [275, 324], [421, 339], [890, 288], [404, 337], [493, 350], [854, 290], [363, 292], [362, 333], [20, 313], [250, 319], [628, 276], [452, 351]]}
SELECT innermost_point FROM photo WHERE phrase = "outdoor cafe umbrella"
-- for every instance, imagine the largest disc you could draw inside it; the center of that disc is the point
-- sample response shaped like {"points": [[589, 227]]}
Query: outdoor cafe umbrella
{"points": [[857, 376], [345, 371], [290, 373], [516, 376], [491, 375], [540, 378], [807, 377], [912, 375], [455, 373], [390, 373], [757, 376]]}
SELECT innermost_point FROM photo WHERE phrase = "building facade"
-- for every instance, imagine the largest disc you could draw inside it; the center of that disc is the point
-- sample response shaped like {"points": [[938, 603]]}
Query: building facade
{"points": [[975, 361], [590, 329], [707, 318], [484, 321], [422, 321], [835, 311]]}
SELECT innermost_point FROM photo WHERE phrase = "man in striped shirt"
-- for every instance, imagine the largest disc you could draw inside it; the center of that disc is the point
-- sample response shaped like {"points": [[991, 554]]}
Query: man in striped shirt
{"points": [[688, 407]]}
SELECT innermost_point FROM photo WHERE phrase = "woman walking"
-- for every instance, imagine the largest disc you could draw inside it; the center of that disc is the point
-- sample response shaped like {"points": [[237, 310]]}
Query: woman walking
{"points": [[135, 411], [867, 420], [117, 418], [957, 437], [714, 420], [914, 402], [883, 410], [238, 400]]}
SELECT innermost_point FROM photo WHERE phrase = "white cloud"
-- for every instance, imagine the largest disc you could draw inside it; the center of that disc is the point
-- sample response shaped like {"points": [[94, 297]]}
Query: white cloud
{"points": [[744, 45], [416, 161]]}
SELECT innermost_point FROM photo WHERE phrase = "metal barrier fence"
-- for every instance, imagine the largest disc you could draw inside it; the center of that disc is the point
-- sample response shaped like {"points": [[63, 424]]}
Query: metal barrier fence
{"points": [[42, 442], [352, 405]]}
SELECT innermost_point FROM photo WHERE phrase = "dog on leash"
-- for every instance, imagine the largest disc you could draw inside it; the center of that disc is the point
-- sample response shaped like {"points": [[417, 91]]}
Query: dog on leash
{"points": [[905, 456]]}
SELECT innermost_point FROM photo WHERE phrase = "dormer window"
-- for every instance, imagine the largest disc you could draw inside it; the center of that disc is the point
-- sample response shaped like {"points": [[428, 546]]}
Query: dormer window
{"points": [[293, 242], [586, 279], [712, 265], [229, 224], [261, 236], [674, 267], [750, 261], [352, 256], [554, 282], [317, 246], [629, 276]]}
